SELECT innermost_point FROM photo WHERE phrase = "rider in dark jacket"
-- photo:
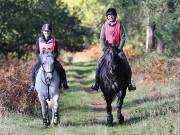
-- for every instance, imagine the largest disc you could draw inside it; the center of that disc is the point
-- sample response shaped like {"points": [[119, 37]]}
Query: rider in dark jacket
{"points": [[46, 38], [112, 33]]}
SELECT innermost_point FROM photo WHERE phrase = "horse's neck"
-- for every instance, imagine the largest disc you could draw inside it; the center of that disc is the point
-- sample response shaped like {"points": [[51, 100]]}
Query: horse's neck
{"points": [[41, 69], [112, 76], [106, 72], [41, 72]]}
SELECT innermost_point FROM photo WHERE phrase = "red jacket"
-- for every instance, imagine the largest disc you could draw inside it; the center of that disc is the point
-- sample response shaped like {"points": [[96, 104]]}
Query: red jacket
{"points": [[43, 46], [112, 33]]}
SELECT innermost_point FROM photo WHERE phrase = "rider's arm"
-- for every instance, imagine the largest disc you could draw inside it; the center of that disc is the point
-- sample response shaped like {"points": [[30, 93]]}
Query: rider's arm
{"points": [[102, 39], [56, 52], [123, 37], [37, 50]]}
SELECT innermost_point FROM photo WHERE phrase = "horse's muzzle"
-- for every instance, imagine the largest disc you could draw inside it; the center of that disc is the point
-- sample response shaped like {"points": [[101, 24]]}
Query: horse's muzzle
{"points": [[49, 78]]}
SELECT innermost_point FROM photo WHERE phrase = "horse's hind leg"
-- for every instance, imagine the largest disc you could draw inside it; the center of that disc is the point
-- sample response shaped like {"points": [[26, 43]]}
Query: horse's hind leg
{"points": [[109, 112], [121, 96], [44, 109], [55, 110]]}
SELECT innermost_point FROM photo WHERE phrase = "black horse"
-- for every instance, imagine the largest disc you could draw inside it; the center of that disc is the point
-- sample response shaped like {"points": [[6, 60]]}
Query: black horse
{"points": [[113, 82]]}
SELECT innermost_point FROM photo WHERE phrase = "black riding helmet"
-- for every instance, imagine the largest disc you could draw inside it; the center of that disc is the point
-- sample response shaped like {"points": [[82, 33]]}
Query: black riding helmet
{"points": [[111, 11], [47, 27]]}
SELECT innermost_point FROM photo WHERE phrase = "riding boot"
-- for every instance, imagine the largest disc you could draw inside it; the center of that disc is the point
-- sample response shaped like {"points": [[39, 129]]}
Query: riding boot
{"points": [[35, 68], [98, 68], [96, 85], [62, 75], [45, 123], [131, 87], [64, 82], [63, 78], [32, 87]]}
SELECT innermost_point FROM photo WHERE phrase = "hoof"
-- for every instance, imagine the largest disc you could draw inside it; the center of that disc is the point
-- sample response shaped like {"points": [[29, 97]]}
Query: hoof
{"points": [[120, 119], [46, 123], [110, 121], [56, 121], [110, 124]]}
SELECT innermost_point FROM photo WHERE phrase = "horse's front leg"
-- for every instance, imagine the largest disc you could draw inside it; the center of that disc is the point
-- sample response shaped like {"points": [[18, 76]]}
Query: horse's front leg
{"points": [[55, 110], [109, 112], [44, 110], [120, 100]]}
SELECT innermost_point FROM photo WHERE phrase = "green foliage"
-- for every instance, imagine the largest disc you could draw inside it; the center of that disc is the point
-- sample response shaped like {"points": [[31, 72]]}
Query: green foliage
{"points": [[21, 22], [76, 23], [88, 12], [168, 28], [164, 13]]}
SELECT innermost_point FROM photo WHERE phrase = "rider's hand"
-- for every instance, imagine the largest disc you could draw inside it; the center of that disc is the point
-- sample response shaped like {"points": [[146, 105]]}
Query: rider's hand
{"points": [[104, 49], [119, 50]]}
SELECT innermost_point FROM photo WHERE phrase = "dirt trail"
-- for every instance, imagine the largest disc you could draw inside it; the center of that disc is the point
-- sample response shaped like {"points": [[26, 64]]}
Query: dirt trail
{"points": [[98, 104], [14, 80], [162, 71]]}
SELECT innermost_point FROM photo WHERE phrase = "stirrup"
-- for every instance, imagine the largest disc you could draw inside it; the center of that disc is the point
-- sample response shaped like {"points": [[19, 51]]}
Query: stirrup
{"points": [[95, 87], [65, 86], [131, 87], [32, 87]]}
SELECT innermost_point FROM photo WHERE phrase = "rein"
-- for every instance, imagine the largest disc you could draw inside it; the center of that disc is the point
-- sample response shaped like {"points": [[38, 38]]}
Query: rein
{"points": [[48, 85]]}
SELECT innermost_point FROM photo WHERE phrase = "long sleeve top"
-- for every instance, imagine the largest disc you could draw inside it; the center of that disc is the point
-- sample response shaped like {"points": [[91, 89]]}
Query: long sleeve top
{"points": [[122, 39], [37, 48]]}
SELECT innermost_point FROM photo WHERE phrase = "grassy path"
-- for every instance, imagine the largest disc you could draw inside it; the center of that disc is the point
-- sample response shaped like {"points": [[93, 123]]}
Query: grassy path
{"points": [[151, 110]]}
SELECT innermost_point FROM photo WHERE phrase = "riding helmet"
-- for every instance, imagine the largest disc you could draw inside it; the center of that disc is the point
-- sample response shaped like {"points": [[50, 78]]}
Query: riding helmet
{"points": [[47, 27], [111, 11]]}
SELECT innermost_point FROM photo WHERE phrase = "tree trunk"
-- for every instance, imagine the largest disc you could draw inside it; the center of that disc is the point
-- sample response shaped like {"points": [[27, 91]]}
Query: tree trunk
{"points": [[149, 36]]}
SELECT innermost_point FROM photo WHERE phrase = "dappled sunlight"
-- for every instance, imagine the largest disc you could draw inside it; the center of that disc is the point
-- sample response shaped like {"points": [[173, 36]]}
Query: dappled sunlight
{"points": [[89, 54]]}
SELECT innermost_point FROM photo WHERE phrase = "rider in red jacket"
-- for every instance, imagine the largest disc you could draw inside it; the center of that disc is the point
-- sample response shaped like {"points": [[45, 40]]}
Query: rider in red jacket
{"points": [[46, 40], [112, 33]]}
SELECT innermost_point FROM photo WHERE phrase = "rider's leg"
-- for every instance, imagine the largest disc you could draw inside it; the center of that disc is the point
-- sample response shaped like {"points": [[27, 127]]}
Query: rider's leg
{"points": [[62, 74], [128, 71], [98, 68], [33, 76]]}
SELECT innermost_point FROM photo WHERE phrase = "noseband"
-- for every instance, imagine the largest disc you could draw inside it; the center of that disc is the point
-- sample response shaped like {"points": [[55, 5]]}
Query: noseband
{"points": [[45, 73]]}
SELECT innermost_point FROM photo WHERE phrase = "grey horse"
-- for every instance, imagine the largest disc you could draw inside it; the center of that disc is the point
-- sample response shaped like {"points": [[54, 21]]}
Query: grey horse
{"points": [[47, 86]]}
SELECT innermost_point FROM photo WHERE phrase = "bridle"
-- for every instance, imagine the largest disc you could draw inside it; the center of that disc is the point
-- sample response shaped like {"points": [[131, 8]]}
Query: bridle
{"points": [[47, 81], [45, 73]]}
